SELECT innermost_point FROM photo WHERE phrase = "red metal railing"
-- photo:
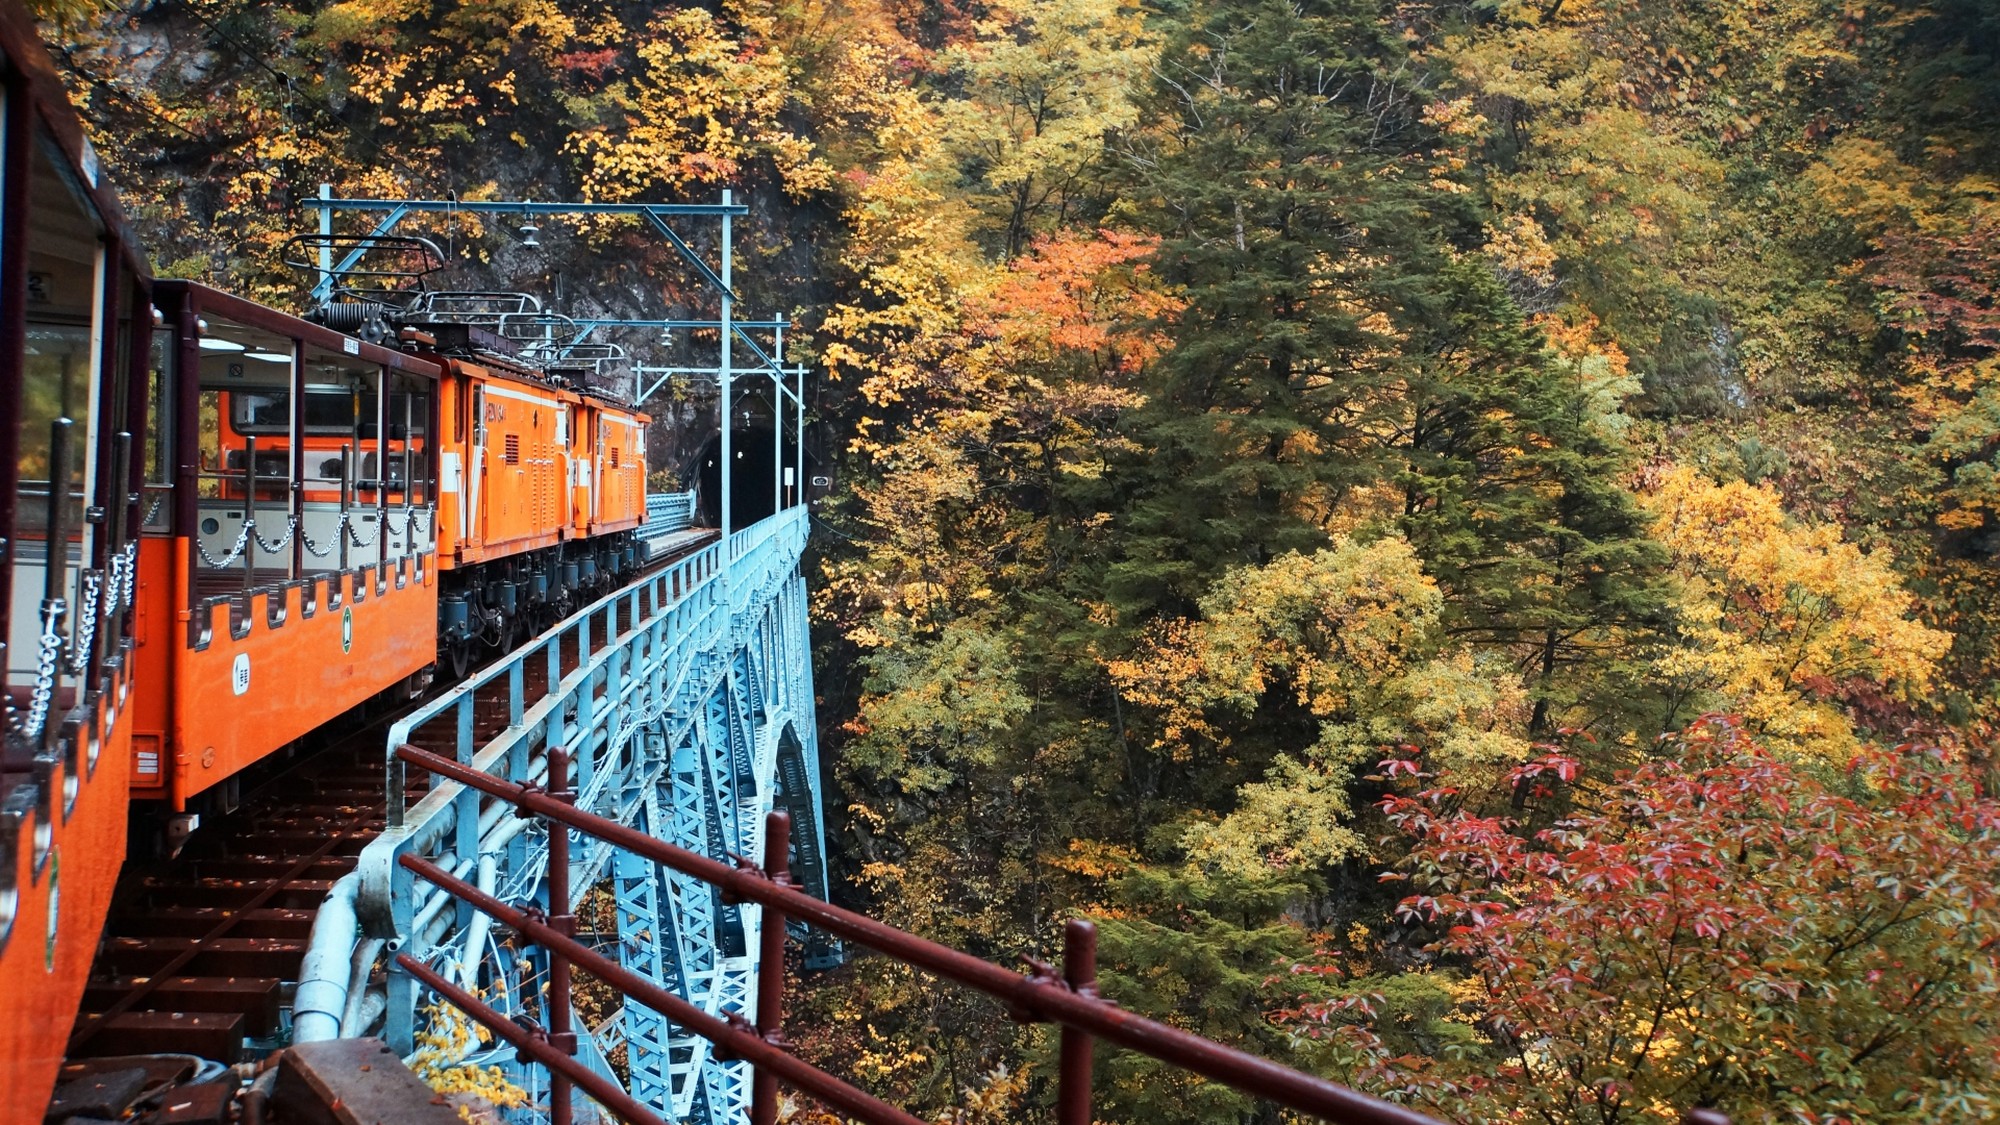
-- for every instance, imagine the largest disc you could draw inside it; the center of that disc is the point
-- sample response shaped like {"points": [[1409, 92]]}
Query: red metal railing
{"points": [[1068, 998]]}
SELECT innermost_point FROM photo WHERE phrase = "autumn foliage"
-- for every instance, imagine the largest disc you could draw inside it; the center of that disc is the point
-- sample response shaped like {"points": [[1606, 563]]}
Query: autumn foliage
{"points": [[1721, 927], [1548, 453]]}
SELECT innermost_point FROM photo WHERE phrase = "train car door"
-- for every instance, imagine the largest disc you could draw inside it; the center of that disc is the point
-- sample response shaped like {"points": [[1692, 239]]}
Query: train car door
{"points": [[564, 463], [475, 469], [582, 441]]}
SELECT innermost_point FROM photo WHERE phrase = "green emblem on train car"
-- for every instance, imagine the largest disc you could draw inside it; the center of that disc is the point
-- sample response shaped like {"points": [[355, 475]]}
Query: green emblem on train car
{"points": [[347, 630]]}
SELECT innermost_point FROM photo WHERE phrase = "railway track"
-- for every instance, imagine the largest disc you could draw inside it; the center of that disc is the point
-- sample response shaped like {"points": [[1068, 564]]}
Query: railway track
{"points": [[201, 952]]}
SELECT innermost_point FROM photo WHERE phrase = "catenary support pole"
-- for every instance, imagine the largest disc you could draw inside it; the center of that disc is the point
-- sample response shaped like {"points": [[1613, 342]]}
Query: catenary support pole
{"points": [[723, 372]]}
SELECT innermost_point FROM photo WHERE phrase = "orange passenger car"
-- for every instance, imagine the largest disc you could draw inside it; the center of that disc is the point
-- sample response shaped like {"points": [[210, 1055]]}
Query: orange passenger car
{"points": [[288, 566], [75, 321]]}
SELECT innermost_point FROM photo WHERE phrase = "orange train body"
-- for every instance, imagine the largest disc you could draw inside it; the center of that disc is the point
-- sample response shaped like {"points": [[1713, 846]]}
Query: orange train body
{"points": [[315, 521], [73, 282]]}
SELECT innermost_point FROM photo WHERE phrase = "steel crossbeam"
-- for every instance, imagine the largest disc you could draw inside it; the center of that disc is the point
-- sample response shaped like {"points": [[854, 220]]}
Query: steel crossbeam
{"points": [[688, 721]]}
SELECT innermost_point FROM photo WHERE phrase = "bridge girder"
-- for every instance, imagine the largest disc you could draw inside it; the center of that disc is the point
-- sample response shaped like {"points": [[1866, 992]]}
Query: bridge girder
{"points": [[691, 725]]}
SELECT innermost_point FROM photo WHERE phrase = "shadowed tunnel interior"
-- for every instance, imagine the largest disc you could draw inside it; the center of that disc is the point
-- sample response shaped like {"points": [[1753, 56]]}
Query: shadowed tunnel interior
{"points": [[750, 485]]}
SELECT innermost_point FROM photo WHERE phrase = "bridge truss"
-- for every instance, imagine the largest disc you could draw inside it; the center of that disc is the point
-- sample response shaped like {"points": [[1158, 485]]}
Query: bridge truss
{"points": [[685, 701]]}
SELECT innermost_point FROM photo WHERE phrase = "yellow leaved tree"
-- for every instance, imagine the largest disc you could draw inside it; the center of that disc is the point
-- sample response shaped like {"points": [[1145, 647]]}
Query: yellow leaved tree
{"points": [[706, 98], [1782, 621], [1353, 635]]}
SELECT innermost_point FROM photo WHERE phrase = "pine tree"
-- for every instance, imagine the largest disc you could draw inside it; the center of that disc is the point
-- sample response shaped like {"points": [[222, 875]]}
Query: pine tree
{"points": [[1510, 478], [1274, 157]]}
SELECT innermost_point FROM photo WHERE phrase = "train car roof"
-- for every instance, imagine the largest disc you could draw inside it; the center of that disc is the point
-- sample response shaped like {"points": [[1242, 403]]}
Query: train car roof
{"points": [[209, 299], [29, 70], [501, 367]]}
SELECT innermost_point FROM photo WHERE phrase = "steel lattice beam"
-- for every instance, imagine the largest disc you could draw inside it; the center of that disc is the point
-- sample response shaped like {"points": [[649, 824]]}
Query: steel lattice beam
{"points": [[688, 725]]}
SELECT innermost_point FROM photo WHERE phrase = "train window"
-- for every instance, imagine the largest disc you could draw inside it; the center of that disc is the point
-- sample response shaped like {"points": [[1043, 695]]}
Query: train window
{"points": [[330, 409], [409, 432], [244, 439], [156, 507], [343, 416], [65, 284], [64, 264], [245, 403]]}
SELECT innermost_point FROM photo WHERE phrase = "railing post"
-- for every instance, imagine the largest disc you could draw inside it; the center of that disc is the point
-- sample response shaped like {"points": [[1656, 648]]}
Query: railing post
{"points": [[771, 964], [340, 526], [561, 1037], [1073, 1074], [55, 572], [249, 516]]}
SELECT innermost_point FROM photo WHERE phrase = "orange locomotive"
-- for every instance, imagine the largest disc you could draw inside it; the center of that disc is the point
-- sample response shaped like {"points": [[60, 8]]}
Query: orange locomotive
{"points": [[541, 489]]}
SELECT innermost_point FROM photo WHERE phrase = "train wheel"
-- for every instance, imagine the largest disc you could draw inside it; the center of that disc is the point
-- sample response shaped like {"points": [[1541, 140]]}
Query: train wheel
{"points": [[458, 655]]}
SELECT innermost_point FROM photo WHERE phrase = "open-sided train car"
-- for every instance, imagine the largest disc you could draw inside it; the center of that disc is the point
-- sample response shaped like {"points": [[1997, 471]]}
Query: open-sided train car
{"points": [[288, 565], [75, 325]]}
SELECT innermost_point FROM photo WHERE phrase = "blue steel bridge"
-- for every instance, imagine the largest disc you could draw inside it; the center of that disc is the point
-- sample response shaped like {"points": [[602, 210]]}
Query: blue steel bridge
{"points": [[685, 703]]}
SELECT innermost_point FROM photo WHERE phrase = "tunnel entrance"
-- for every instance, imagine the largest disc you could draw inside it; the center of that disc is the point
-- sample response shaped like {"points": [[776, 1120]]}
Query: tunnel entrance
{"points": [[751, 485]]}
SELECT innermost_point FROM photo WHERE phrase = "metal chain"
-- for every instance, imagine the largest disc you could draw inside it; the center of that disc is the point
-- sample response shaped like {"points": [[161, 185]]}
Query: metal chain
{"points": [[154, 510], [413, 518], [47, 661], [114, 583], [354, 536], [88, 607], [235, 553], [291, 525], [339, 524], [131, 574]]}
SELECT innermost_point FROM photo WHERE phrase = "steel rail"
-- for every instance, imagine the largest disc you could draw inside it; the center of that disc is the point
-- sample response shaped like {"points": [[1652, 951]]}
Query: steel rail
{"points": [[534, 1045], [739, 1040], [1041, 995]]}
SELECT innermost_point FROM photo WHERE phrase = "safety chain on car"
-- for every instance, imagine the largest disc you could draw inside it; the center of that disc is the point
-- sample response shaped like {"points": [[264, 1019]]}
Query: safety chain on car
{"points": [[48, 660], [234, 553], [116, 587], [291, 525], [412, 518], [131, 575], [322, 552], [88, 607]]}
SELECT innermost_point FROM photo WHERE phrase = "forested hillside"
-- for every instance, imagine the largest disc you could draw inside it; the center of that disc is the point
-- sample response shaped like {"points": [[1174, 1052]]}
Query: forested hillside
{"points": [[1462, 533]]}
